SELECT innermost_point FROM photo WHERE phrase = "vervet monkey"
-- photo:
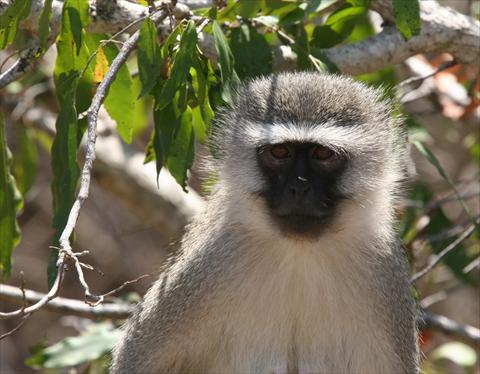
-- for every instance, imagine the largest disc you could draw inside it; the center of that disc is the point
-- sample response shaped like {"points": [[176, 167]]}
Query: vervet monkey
{"points": [[294, 266]]}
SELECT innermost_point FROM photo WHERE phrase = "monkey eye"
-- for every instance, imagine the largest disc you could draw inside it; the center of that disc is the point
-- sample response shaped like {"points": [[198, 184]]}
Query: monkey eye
{"points": [[322, 153], [280, 151]]}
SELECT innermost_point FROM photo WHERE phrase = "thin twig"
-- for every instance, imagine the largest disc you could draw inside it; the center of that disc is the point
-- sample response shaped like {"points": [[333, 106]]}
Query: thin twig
{"points": [[101, 298], [415, 82], [437, 258], [472, 265], [16, 328], [52, 293]]}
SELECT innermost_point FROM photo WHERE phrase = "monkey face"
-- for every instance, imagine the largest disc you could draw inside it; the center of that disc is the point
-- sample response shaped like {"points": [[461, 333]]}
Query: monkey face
{"points": [[301, 190], [311, 152]]}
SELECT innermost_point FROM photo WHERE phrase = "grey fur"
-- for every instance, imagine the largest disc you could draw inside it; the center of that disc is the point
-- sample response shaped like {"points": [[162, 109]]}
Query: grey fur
{"points": [[235, 269]]}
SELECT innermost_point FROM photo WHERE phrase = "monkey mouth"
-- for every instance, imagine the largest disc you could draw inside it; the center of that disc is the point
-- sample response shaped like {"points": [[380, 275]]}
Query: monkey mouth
{"points": [[305, 225]]}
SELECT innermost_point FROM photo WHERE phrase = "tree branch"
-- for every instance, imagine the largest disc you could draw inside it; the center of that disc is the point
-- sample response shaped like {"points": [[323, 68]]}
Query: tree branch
{"points": [[443, 30], [468, 334], [67, 306], [105, 17]]}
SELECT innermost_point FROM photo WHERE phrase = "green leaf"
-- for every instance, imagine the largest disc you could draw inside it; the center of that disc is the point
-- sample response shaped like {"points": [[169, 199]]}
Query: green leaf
{"points": [[181, 66], [301, 46], [166, 124], [44, 23], [9, 20], [315, 6], [97, 340], [226, 63], [252, 53], [120, 101], [457, 259], [25, 162], [182, 151], [248, 8], [199, 125], [407, 17], [295, 16], [457, 352], [10, 205], [68, 67], [77, 12], [200, 87], [434, 161], [148, 56], [338, 27]]}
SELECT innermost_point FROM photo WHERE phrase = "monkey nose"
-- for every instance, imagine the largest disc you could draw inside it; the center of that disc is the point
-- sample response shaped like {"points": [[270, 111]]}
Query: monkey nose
{"points": [[299, 190]]}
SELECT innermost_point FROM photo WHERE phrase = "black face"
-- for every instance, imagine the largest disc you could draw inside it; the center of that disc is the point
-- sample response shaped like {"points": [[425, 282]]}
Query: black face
{"points": [[301, 192]]}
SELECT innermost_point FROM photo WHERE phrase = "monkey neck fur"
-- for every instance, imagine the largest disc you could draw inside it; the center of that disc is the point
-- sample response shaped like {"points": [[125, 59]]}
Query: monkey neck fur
{"points": [[292, 299]]}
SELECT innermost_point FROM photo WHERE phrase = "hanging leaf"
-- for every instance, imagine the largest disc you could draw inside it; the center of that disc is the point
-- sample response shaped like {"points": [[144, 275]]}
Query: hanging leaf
{"points": [[226, 63], [166, 125], [407, 17], [148, 56], [9, 20], [101, 66], [181, 66], [10, 205], [25, 163], [249, 8], [69, 64], [252, 54], [120, 101], [182, 151], [338, 27], [44, 23]]}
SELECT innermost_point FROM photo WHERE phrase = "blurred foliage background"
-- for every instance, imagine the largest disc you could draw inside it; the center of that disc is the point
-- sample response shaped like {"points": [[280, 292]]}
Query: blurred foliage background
{"points": [[151, 141]]}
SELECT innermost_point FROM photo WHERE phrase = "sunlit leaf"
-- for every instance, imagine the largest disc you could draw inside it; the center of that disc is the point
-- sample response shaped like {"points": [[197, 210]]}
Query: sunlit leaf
{"points": [[457, 352], [338, 27], [407, 17], [44, 23], [68, 67], [101, 66], [248, 8], [10, 19], [10, 204], [120, 101], [148, 56], [315, 6], [226, 63], [181, 66], [97, 340]]}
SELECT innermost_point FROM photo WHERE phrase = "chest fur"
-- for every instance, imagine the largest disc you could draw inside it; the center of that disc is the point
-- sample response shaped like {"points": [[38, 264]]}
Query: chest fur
{"points": [[302, 313]]}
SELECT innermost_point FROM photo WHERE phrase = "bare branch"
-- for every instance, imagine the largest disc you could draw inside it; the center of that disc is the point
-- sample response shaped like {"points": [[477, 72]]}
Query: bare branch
{"points": [[16, 328], [467, 333], [437, 258], [52, 293], [20, 67], [66, 252], [105, 17], [443, 30], [67, 306]]}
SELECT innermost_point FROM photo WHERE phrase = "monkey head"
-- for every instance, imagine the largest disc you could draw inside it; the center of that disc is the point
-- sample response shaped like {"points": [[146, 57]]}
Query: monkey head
{"points": [[300, 147]]}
